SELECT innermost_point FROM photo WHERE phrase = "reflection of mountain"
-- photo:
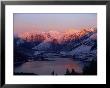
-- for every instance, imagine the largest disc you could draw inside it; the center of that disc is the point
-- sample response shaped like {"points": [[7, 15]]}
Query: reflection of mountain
{"points": [[81, 45]]}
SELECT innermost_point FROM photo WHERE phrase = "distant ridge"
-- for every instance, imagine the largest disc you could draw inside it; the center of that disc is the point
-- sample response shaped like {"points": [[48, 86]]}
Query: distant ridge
{"points": [[58, 36]]}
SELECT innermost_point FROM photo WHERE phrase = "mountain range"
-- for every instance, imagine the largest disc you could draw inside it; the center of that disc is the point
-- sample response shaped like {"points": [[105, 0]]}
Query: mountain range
{"points": [[79, 44]]}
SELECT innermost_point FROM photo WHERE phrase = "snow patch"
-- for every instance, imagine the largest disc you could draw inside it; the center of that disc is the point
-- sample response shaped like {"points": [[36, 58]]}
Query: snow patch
{"points": [[20, 41], [94, 36], [80, 49], [42, 46]]}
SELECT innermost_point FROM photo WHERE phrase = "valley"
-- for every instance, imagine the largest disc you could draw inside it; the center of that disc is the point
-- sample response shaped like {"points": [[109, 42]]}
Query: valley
{"points": [[48, 49]]}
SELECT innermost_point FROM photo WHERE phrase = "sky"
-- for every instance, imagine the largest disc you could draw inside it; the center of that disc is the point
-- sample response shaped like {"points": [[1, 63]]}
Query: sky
{"points": [[44, 22]]}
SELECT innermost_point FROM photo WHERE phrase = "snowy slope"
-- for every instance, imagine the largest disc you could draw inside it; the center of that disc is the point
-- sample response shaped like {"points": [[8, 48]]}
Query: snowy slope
{"points": [[43, 46], [80, 49], [84, 52], [91, 40], [20, 41]]}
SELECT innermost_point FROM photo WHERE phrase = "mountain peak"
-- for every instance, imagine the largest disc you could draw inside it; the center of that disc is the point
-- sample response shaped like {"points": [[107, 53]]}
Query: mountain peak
{"points": [[59, 36]]}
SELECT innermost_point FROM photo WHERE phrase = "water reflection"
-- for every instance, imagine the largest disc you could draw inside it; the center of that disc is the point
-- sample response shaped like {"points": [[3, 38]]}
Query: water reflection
{"points": [[59, 66]]}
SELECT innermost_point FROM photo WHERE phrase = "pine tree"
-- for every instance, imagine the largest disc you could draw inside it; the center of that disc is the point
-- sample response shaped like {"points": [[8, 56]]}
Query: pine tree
{"points": [[67, 72], [73, 72], [53, 73]]}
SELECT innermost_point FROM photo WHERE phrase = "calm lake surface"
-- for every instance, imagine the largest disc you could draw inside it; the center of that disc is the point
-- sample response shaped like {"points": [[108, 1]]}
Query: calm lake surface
{"points": [[59, 66]]}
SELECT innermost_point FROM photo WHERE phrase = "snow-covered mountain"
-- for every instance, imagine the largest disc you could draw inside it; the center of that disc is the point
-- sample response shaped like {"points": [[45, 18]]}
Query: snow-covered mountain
{"points": [[43, 46], [59, 36], [68, 39], [78, 44], [86, 50]]}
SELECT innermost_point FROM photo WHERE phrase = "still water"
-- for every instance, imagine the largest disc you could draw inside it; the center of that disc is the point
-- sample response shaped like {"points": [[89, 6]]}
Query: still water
{"points": [[58, 65]]}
